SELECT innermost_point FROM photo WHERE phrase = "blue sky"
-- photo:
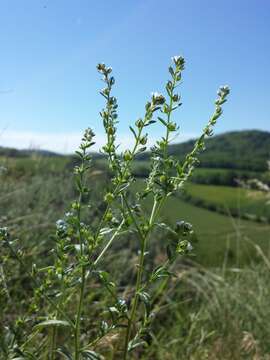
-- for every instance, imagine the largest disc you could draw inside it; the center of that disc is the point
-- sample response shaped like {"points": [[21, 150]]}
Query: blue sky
{"points": [[49, 50]]}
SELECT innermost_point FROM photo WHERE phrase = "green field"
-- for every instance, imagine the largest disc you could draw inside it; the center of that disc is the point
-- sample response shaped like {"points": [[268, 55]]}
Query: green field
{"points": [[230, 200], [36, 182], [206, 302], [220, 237]]}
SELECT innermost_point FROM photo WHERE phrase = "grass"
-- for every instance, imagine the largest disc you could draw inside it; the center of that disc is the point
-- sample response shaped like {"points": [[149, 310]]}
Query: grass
{"points": [[236, 201], [219, 237], [113, 281], [215, 315], [207, 313]]}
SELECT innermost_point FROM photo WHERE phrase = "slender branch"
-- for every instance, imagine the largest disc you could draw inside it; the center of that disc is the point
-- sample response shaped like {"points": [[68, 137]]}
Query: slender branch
{"points": [[109, 243]]}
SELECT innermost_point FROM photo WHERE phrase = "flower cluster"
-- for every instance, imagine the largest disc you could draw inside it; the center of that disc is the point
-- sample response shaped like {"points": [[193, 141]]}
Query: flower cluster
{"points": [[4, 233], [68, 284]]}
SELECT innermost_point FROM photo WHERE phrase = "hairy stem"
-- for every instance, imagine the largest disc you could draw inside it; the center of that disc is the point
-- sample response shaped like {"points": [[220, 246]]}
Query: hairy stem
{"points": [[78, 317], [139, 277]]}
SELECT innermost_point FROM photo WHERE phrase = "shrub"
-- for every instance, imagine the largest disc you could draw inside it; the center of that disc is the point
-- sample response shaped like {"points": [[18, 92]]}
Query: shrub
{"points": [[73, 281]]}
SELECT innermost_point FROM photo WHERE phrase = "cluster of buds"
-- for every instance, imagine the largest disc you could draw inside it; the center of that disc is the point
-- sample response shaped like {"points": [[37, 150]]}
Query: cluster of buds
{"points": [[222, 94], [184, 247], [3, 233], [185, 170], [101, 67], [157, 99], [179, 62], [61, 227], [183, 228], [87, 140], [109, 114], [3, 169]]}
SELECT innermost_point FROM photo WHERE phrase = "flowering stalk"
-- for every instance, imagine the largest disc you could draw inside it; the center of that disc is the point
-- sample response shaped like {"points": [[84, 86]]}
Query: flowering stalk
{"points": [[80, 172], [81, 248]]}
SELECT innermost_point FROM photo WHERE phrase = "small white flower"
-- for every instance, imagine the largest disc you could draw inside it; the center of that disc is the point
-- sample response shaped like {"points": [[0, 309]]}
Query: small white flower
{"points": [[156, 94], [189, 247], [176, 58], [4, 232], [3, 169], [157, 98], [68, 214], [61, 225]]}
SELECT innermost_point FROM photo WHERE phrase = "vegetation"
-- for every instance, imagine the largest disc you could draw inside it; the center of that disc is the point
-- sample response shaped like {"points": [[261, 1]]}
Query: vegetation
{"points": [[244, 150], [215, 315], [205, 313], [237, 202], [72, 274]]}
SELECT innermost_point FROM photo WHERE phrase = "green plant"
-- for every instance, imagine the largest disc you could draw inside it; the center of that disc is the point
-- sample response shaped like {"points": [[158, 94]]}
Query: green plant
{"points": [[57, 322]]}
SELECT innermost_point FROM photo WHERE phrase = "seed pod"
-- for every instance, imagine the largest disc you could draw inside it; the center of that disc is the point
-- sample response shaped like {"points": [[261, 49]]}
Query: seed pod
{"points": [[127, 155], [109, 197]]}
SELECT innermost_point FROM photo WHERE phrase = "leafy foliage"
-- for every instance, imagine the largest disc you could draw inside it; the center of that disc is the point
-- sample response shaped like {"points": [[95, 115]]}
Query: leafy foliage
{"points": [[73, 279], [242, 150]]}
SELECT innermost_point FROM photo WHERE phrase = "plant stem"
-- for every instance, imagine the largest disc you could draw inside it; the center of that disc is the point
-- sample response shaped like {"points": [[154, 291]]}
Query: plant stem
{"points": [[109, 243], [53, 336], [77, 333], [139, 275], [49, 300], [78, 317], [135, 303]]}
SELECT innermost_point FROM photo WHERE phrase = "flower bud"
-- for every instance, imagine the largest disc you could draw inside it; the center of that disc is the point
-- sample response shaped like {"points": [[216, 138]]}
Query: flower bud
{"points": [[176, 97], [139, 123], [109, 197], [109, 216], [179, 61], [127, 155], [143, 140], [3, 232], [101, 67], [158, 99], [163, 179], [111, 130], [171, 126]]}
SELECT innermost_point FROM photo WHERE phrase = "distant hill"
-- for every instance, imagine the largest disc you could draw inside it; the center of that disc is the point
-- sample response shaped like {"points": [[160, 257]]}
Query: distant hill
{"points": [[11, 152], [245, 150]]}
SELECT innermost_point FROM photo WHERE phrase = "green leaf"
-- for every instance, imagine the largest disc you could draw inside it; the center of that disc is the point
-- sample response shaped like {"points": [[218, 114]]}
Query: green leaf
{"points": [[145, 298], [134, 343], [150, 122], [142, 149], [103, 275], [65, 352], [162, 121], [166, 227], [160, 272], [134, 132], [48, 323], [171, 252], [105, 231], [91, 355], [171, 70]]}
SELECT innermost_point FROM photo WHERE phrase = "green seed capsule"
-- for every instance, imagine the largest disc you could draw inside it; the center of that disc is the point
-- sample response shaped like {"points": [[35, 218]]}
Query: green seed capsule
{"points": [[172, 126], [111, 130], [163, 179], [109, 197], [127, 155]]}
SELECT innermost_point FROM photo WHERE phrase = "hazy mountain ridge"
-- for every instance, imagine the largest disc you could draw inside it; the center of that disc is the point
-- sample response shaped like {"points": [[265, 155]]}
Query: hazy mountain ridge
{"points": [[246, 150], [12, 152]]}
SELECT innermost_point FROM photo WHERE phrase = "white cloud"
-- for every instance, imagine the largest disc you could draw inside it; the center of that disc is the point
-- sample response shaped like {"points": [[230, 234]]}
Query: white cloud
{"points": [[66, 142]]}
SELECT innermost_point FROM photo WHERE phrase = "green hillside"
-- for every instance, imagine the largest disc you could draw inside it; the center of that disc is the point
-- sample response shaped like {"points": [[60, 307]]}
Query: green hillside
{"points": [[245, 150], [237, 201], [218, 235], [242, 150]]}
